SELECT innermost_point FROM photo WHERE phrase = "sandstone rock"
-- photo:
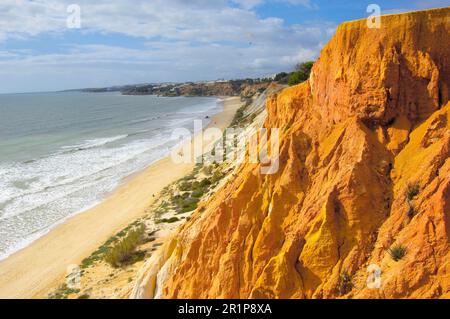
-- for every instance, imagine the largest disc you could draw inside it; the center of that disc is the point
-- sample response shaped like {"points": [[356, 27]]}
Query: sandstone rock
{"points": [[373, 119]]}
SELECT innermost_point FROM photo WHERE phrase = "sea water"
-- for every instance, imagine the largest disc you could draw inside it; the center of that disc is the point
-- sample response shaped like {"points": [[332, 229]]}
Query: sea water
{"points": [[61, 153]]}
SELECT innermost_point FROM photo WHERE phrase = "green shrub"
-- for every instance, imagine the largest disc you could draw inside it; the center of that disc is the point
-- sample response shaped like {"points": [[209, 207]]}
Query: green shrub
{"points": [[123, 251], [238, 116], [205, 182], [397, 252], [412, 191], [184, 205], [281, 78], [201, 188], [198, 193], [162, 208], [345, 284], [100, 253], [62, 292], [294, 79], [185, 186], [302, 73], [167, 220], [189, 205], [217, 176], [411, 210]]}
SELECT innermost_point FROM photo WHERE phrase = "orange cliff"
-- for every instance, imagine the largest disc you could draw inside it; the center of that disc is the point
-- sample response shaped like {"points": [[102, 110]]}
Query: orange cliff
{"points": [[373, 119]]}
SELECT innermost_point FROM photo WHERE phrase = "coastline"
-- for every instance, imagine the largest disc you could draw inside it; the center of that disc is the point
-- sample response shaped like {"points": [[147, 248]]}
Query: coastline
{"points": [[33, 271]]}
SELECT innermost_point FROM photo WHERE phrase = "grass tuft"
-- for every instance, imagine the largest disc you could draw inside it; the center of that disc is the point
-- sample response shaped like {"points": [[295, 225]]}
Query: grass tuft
{"points": [[167, 220], [411, 210], [412, 191], [397, 252], [345, 284], [63, 292], [124, 251], [217, 176]]}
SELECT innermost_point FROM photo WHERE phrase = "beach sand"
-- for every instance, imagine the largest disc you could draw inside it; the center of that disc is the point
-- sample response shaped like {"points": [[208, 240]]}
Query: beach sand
{"points": [[35, 270]]}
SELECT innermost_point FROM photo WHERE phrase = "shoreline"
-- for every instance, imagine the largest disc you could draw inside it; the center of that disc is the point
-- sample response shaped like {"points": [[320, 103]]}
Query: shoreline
{"points": [[34, 270]]}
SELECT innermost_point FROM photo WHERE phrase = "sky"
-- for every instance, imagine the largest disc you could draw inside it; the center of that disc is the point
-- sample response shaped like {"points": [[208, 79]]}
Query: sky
{"points": [[45, 47]]}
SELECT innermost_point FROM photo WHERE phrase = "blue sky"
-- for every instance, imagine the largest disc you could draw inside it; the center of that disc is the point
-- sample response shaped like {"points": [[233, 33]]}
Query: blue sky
{"points": [[139, 41]]}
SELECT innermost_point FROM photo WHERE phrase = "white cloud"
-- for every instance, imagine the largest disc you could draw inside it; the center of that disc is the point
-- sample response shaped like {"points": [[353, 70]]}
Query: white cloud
{"points": [[175, 19], [184, 40]]}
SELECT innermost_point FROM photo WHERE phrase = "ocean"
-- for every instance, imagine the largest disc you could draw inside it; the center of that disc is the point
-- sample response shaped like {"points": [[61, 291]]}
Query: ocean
{"points": [[62, 153]]}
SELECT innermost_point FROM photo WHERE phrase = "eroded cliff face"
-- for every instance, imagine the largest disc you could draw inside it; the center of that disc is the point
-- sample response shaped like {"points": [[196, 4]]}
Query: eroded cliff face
{"points": [[373, 120]]}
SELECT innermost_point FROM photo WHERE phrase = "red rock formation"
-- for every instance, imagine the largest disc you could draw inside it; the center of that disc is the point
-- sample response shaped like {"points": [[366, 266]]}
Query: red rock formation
{"points": [[373, 119]]}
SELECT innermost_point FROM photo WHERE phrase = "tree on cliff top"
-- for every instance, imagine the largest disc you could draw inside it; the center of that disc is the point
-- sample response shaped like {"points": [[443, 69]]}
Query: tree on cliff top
{"points": [[301, 73]]}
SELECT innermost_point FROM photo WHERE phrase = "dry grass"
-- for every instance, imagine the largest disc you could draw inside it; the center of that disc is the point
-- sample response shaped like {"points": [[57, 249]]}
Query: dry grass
{"points": [[124, 251], [397, 252]]}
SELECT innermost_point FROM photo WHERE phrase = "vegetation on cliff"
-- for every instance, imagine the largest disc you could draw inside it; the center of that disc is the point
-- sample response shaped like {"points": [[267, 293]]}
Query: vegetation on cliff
{"points": [[301, 74], [245, 88], [373, 119]]}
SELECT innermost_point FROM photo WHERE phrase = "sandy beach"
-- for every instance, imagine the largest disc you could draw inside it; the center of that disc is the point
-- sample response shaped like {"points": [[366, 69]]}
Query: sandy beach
{"points": [[35, 270]]}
